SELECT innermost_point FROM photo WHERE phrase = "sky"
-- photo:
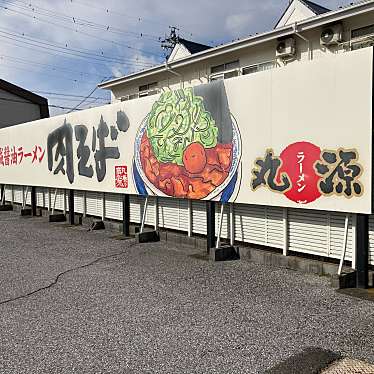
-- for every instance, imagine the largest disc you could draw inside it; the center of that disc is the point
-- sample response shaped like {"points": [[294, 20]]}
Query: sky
{"points": [[61, 49]]}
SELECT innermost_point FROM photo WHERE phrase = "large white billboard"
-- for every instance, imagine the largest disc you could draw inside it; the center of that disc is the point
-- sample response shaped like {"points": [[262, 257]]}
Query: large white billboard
{"points": [[297, 136]]}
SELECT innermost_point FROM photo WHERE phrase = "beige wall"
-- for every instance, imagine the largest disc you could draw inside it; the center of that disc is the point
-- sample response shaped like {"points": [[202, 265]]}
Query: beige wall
{"points": [[15, 112]]}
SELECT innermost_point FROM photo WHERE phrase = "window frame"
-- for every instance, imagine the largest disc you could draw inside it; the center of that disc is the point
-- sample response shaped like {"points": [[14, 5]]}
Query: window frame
{"points": [[258, 65], [148, 89]]}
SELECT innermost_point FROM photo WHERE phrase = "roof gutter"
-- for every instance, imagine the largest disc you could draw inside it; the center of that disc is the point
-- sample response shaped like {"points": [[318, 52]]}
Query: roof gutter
{"points": [[317, 21]]}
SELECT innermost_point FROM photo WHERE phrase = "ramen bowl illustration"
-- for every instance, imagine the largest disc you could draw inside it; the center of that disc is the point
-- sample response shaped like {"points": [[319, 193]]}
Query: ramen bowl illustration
{"points": [[182, 151]]}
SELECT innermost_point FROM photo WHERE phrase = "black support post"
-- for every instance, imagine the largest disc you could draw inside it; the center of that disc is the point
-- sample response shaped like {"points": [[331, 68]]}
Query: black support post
{"points": [[71, 207], [210, 225], [33, 201], [2, 194], [126, 215], [362, 251]]}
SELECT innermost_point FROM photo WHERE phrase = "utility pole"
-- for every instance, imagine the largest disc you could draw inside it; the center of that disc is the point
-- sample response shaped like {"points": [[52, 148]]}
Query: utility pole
{"points": [[170, 41]]}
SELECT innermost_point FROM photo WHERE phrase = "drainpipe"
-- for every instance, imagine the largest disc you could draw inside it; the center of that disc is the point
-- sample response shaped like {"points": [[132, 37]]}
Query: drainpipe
{"points": [[305, 40], [168, 68]]}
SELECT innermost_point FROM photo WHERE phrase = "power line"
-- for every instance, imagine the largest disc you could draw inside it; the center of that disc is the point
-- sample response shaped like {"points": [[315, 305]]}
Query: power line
{"points": [[64, 94], [46, 74], [53, 52], [35, 42], [54, 67], [84, 51], [115, 13], [72, 99], [82, 101], [88, 105], [85, 23], [79, 31], [135, 18], [88, 96]]}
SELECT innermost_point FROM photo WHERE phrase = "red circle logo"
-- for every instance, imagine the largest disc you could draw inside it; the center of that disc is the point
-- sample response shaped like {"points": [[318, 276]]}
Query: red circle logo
{"points": [[297, 161]]}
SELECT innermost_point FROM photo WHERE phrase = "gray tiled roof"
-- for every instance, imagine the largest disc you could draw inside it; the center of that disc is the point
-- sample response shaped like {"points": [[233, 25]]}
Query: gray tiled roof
{"points": [[192, 46]]}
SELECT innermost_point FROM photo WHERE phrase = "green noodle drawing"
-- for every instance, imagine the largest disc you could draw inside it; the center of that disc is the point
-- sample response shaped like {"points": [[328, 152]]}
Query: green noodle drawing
{"points": [[177, 119]]}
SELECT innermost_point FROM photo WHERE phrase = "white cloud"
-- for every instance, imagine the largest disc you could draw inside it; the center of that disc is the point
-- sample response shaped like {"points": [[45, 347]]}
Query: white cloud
{"points": [[208, 21], [236, 24]]}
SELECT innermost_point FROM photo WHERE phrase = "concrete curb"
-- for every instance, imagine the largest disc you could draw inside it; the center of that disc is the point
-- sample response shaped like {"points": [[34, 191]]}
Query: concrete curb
{"points": [[58, 217], [148, 237], [345, 280], [224, 253], [26, 212]]}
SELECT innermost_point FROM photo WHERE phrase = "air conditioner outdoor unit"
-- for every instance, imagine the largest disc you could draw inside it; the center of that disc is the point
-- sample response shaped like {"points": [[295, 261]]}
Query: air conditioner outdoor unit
{"points": [[332, 35], [286, 48]]}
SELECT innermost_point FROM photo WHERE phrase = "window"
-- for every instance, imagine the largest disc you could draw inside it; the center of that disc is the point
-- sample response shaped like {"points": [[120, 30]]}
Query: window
{"points": [[144, 90], [224, 67], [258, 67], [224, 71], [217, 69], [362, 37], [148, 89], [362, 31]]}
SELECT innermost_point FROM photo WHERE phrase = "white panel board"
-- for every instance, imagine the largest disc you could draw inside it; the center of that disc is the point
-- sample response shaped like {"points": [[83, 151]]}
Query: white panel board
{"points": [[18, 194], [250, 223], [199, 217], [371, 240], [319, 233], [59, 204], [253, 140], [79, 201], [8, 193], [113, 206], [94, 201], [275, 227], [137, 204], [308, 232], [173, 214], [41, 197]]}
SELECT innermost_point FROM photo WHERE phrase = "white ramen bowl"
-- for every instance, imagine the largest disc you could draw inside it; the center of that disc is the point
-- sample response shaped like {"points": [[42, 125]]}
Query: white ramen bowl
{"points": [[236, 155]]}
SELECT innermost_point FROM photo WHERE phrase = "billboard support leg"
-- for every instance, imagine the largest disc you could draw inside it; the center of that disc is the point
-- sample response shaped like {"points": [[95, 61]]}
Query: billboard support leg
{"points": [[344, 249], [71, 207], [146, 236], [362, 251], [218, 243], [210, 225], [144, 215], [54, 202], [33, 201], [2, 194], [126, 215], [24, 196]]}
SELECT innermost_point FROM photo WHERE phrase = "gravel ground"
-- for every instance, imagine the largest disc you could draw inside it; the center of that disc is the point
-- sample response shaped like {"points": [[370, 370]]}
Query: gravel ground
{"points": [[152, 308]]}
